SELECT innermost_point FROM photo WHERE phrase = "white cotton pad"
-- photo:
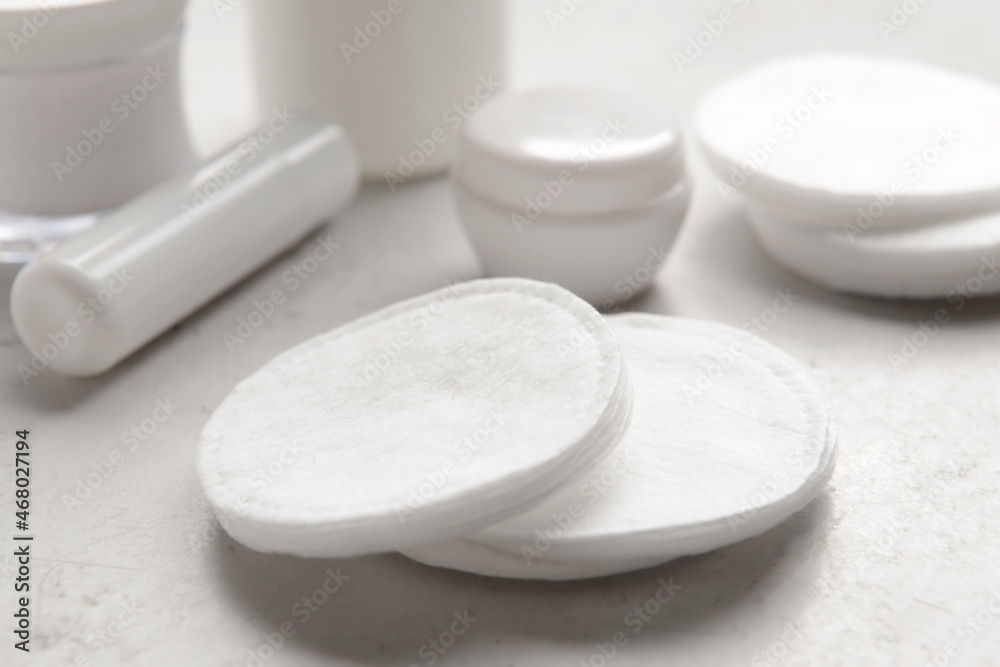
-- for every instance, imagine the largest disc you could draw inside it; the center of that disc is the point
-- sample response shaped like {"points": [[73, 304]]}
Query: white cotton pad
{"points": [[955, 259], [418, 423], [475, 558], [729, 437], [842, 131]]}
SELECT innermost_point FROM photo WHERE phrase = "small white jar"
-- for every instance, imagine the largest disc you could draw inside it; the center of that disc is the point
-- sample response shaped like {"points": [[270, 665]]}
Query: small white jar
{"points": [[587, 189], [401, 76], [90, 109]]}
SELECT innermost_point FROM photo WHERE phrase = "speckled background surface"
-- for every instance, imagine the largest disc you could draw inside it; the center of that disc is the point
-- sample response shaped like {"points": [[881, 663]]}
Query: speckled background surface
{"points": [[887, 567]]}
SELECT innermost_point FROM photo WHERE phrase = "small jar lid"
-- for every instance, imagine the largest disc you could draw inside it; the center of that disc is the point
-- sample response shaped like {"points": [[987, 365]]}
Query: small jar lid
{"points": [[570, 150], [72, 33]]}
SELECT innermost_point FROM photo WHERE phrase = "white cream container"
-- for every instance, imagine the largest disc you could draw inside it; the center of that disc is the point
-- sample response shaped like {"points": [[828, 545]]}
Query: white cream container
{"points": [[90, 107], [583, 188], [400, 76]]}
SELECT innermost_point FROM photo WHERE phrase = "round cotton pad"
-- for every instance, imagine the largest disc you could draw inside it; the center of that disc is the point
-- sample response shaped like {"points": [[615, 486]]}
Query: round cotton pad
{"points": [[729, 437], [476, 558], [418, 423], [956, 259], [850, 130]]}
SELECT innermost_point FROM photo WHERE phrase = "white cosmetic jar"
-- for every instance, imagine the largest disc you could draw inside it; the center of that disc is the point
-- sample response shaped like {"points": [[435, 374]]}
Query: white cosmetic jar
{"points": [[584, 188], [90, 103]]}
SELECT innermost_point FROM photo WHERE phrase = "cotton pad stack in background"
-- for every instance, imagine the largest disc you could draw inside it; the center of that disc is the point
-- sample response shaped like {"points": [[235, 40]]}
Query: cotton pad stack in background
{"points": [[503, 427], [864, 173]]}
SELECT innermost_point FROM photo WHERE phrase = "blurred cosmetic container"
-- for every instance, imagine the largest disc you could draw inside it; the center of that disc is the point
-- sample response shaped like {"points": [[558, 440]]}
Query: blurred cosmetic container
{"points": [[579, 187], [90, 112], [401, 76]]}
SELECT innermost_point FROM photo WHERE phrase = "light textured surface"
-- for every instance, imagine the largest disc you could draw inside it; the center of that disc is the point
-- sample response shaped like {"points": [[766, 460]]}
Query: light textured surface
{"points": [[882, 569]]}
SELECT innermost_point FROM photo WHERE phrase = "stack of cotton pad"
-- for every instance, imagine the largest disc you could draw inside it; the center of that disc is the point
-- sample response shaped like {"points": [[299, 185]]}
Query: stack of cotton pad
{"points": [[420, 422], [491, 427], [729, 437], [864, 173]]}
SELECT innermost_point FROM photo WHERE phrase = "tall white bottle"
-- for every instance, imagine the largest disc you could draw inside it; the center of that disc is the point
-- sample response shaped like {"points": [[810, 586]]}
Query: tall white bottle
{"points": [[401, 76]]}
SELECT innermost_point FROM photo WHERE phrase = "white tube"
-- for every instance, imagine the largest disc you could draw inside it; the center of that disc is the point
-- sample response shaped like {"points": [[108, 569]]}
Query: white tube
{"points": [[100, 296]]}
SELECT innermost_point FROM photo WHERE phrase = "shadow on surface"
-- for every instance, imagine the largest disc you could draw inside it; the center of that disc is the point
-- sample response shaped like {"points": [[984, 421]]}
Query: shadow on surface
{"points": [[391, 606]]}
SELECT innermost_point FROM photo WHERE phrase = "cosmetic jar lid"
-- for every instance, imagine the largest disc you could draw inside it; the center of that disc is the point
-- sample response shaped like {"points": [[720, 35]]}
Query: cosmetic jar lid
{"points": [[570, 150], [54, 34]]}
